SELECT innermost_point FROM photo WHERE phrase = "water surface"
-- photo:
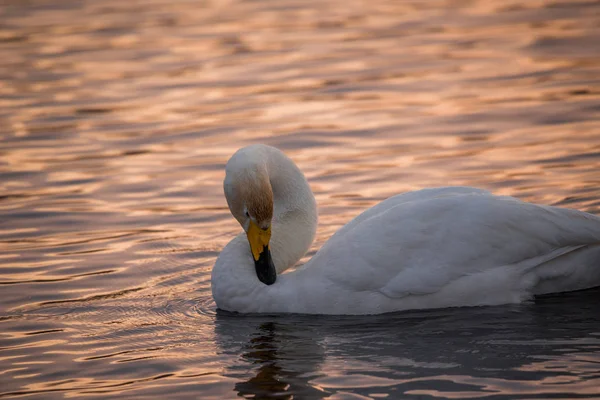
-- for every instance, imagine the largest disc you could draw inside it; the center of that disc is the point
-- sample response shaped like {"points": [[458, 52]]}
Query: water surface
{"points": [[117, 118]]}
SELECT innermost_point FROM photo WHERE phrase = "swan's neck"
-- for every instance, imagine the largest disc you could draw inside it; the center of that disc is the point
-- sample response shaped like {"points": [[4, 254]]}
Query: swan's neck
{"points": [[294, 212], [293, 225]]}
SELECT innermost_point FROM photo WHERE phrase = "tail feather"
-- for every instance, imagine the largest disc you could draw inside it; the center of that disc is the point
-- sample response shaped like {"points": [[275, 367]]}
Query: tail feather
{"points": [[575, 269]]}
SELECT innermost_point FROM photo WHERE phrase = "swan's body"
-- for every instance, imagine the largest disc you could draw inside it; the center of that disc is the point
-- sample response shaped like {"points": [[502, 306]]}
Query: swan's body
{"points": [[444, 247]]}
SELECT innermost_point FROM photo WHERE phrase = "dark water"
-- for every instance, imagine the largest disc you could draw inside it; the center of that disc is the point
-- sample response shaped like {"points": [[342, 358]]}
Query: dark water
{"points": [[116, 120]]}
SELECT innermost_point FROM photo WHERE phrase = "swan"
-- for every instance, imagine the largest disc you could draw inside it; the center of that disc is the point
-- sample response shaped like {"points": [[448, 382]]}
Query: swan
{"points": [[431, 248]]}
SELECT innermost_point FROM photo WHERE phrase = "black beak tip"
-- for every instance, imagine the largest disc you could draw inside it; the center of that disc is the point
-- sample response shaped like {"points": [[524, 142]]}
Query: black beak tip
{"points": [[265, 270]]}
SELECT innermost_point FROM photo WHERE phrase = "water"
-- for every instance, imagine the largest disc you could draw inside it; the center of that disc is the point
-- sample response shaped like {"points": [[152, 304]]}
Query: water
{"points": [[116, 120]]}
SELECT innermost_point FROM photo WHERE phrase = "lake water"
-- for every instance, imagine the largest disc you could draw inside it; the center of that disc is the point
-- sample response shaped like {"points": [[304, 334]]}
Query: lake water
{"points": [[117, 118]]}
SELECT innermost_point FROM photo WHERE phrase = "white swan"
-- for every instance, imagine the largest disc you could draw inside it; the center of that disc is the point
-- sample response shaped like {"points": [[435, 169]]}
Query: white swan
{"points": [[444, 247]]}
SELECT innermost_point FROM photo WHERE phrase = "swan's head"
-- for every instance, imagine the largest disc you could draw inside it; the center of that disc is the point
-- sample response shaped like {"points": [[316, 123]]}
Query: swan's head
{"points": [[250, 199]]}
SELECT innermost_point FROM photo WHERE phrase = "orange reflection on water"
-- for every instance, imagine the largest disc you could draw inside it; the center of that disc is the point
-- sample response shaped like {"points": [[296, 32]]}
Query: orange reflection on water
{"points": [[118, 119]]}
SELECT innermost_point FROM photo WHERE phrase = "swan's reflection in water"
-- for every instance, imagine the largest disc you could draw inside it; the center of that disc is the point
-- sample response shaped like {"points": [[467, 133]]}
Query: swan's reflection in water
{"points": [[284, 355], [444, 353], [280, 370]]}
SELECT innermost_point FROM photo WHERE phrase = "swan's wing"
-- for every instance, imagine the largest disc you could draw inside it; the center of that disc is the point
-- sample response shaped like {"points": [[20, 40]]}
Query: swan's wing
{"points": [[421, 281], [418, 247]]}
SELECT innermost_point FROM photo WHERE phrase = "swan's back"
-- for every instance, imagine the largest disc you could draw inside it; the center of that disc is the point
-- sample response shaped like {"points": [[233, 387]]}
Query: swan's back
{"points": [[419, 243], [418, 195]]}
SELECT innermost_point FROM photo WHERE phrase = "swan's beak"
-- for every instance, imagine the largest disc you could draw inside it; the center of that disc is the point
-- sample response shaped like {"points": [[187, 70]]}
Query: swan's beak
{"points": [[259, 244]]}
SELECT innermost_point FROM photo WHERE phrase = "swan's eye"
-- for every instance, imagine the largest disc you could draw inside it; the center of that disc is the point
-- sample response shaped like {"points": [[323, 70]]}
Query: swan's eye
{"points": [[247, 214]]}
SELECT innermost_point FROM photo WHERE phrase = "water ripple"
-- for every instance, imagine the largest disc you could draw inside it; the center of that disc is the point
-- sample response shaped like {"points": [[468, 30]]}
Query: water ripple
{"points": [[118, 118]]}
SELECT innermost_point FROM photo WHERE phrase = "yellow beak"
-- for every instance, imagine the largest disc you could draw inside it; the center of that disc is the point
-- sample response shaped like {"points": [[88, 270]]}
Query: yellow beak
{"points": [[259, 239]]}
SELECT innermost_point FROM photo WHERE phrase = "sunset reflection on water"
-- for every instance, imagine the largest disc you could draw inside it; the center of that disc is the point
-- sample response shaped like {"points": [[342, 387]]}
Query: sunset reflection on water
{"points": [[117, 118]]}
